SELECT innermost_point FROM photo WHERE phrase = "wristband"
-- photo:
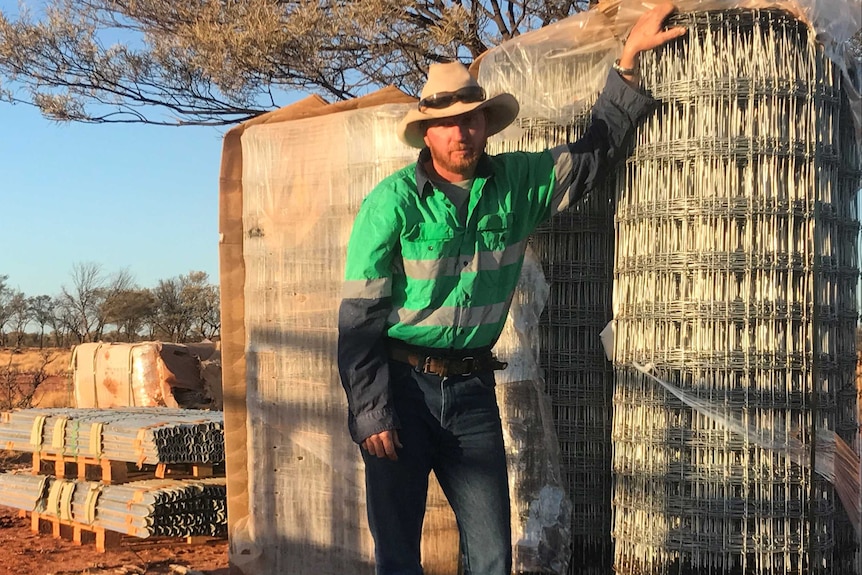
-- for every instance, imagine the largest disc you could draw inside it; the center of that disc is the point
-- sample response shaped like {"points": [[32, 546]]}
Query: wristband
{"points": [[624, 71]]}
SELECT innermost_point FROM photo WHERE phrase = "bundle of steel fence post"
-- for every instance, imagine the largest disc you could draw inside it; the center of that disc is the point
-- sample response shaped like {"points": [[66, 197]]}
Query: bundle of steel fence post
{"points": [[21, 491], [736, 275], [158, 507], [139, 435]]}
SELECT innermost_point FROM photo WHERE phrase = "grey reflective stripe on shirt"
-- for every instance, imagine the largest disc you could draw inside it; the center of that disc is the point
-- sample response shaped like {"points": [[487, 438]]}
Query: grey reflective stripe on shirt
{"points": [[480, 262], [561, 196], [445, 316], [367, 289]]}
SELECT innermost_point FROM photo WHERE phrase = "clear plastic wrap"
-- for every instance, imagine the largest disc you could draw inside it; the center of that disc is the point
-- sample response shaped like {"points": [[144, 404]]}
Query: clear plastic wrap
{"points": [[541, 509], [303, 182], [554, 72], [599, 34]]}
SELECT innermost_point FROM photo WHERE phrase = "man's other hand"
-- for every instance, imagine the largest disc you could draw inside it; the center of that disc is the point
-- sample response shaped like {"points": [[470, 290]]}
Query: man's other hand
{"points": [[648, 33], [383, 444]]}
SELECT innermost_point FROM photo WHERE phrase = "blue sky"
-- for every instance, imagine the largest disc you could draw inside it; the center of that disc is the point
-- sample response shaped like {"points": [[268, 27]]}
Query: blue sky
{"points": [[136, 197], [125, 196]]}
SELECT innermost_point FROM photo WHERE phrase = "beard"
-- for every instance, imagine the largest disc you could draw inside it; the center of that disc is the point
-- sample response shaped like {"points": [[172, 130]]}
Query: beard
{"points": [[458, 159]]}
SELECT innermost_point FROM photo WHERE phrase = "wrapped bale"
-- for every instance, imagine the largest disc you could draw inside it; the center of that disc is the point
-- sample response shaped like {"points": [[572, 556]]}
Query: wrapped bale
{"points": [[146, 374]]}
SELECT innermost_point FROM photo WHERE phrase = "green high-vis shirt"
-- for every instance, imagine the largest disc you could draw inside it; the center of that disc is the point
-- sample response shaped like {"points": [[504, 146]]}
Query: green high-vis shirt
{"points": [[449, 282]]}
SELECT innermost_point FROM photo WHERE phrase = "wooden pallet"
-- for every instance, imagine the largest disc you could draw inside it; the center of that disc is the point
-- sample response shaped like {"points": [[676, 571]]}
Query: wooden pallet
{"points": [[78, 466], [113, 472], [183, 469], [105, 539], [78, 533]]}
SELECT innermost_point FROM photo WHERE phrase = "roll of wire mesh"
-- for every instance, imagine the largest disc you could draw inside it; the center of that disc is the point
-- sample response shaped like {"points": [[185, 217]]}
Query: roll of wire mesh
{"points": [[575, 249], [735, 276]]}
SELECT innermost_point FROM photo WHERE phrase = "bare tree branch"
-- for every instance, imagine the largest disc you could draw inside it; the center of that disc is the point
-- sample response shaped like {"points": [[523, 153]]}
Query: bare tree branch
{"points": [[214, 63]]}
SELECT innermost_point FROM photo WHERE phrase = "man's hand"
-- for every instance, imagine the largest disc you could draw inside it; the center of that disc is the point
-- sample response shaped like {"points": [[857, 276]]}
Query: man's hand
{"points": [[383, 444], [648, 33]]}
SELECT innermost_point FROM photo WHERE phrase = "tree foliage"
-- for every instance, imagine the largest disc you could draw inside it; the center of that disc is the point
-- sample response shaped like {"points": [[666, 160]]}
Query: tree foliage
{"points": [[5, 311], [222, 61], [19, 314], [179, 309], [41, 311], [82, 300], [129, 309], [186, 307]]}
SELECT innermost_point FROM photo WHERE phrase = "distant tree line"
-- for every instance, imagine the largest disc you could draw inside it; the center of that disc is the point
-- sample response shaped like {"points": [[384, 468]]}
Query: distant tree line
{"points": [[96, 306]]}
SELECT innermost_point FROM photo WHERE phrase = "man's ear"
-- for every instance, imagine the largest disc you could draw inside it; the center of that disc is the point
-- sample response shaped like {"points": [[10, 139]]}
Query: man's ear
{"points": [[424, 127]]}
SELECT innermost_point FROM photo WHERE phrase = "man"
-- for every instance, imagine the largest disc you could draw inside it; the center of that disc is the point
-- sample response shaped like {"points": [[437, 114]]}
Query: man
{"points": [[432, 263]]}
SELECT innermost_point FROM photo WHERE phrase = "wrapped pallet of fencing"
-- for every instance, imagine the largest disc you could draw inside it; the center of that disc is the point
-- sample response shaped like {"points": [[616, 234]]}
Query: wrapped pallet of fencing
{"points": [[146, 374], [292, 182]]}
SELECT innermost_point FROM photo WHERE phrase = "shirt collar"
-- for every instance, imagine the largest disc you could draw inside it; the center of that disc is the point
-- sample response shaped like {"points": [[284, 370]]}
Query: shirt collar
{"points": [[425, 186]]}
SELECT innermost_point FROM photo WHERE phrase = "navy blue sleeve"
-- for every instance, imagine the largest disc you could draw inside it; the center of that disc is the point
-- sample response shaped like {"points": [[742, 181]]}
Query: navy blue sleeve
{"points": [[363, 361], [364, 367], [583, 165]]}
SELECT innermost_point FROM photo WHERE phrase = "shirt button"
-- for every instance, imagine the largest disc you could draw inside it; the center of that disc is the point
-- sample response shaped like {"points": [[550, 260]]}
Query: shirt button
{"points": [[466, 263]]}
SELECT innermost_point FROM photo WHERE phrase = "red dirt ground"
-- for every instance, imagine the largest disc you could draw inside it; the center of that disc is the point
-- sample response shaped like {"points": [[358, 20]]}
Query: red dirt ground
{"points": [[23, 552]]}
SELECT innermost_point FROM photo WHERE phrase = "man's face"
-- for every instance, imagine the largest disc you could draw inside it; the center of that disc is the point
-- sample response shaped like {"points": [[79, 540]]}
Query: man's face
{"points": [[457, 143]]}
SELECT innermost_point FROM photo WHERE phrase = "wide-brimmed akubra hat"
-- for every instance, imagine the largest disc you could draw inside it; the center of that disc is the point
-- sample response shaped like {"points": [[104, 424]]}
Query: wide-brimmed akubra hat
{"points": [[452, 91]]}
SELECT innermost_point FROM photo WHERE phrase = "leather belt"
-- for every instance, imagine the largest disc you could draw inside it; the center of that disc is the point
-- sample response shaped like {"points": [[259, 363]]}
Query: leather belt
{"points": [[446, 366]]}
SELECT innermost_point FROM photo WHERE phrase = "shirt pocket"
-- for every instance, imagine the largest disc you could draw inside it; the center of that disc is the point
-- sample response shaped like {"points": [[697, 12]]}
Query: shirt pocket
{"points": [[494, 230], [430, 240]]}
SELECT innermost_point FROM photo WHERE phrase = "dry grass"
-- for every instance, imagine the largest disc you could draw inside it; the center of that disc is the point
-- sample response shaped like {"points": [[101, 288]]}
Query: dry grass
{"points": [[30, 359], [35, 377]]}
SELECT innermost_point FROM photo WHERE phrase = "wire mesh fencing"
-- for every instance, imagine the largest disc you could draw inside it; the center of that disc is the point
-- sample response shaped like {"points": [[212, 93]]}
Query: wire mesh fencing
{"points": [[735, 276]]}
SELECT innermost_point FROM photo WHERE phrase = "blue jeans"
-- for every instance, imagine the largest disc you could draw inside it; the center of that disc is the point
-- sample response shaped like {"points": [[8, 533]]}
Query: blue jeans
{"points": [[451, 426]]}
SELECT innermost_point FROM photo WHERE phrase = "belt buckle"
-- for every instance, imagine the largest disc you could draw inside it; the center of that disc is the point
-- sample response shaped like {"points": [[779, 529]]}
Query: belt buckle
{"points": [[472, 361], [428, 368], [426, 365]]}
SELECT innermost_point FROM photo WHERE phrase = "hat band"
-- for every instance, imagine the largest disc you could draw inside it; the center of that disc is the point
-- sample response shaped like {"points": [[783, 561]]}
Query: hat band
{"points": [[466, 95]]}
